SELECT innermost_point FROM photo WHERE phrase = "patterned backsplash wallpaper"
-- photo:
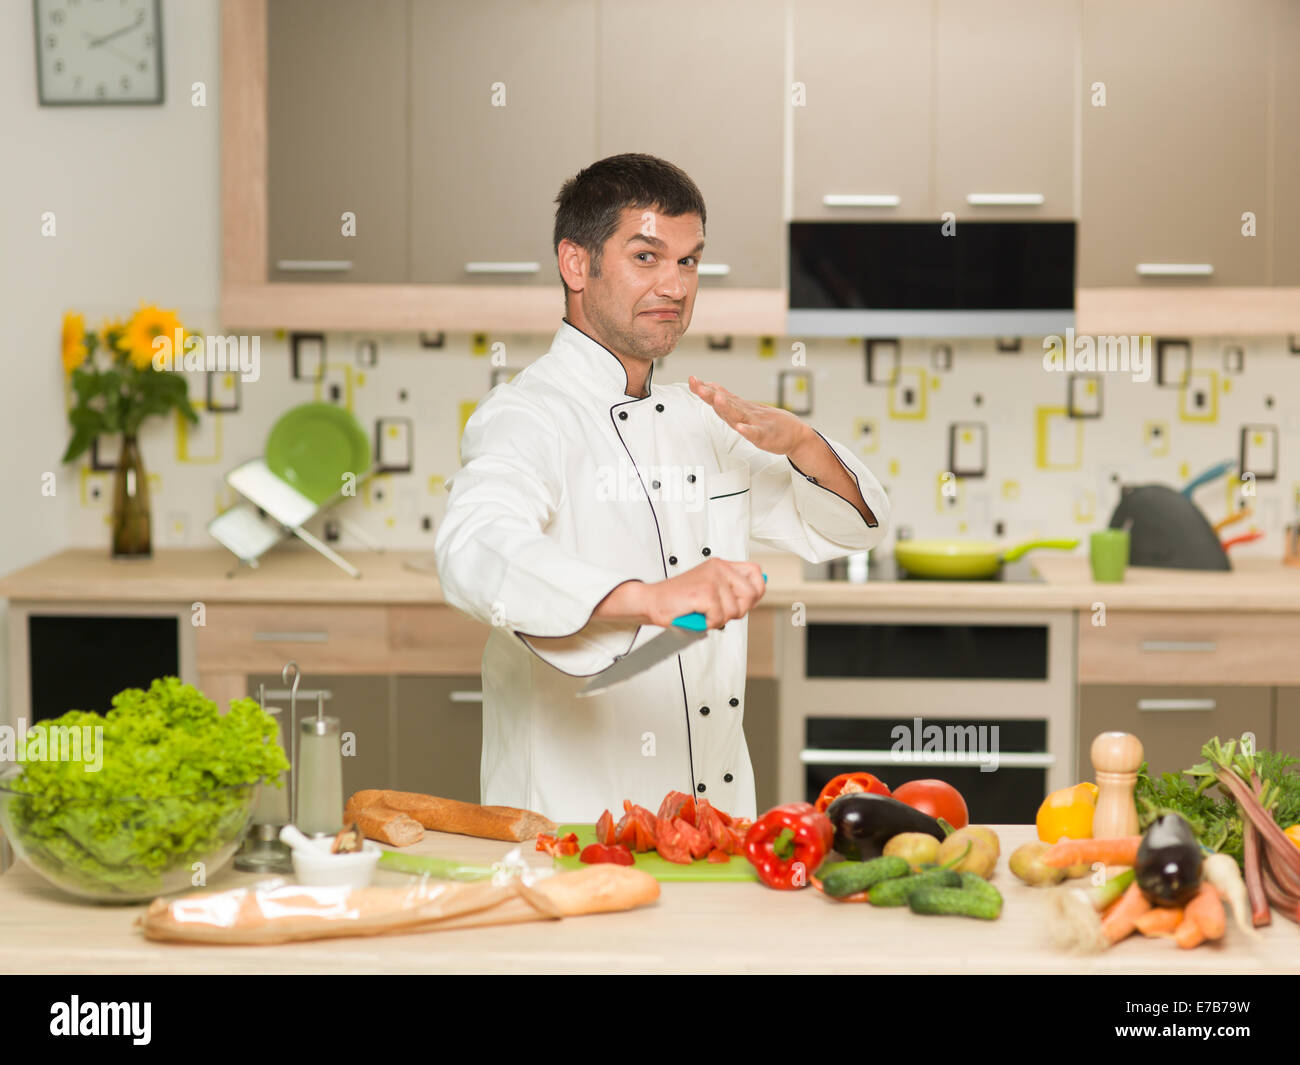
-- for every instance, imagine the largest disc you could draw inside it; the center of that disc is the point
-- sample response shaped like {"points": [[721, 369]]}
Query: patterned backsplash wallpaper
{"points": [[968, 436]]}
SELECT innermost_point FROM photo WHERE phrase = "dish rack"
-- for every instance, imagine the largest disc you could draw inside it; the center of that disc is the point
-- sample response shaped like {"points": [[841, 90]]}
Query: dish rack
{"points": [[271, 511]]}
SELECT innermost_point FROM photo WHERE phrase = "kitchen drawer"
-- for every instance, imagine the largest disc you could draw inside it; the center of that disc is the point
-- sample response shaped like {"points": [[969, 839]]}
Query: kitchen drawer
{"points": [[1286, 736], [1172, 721], [321, 639], [434, 639], [1189, 648]]}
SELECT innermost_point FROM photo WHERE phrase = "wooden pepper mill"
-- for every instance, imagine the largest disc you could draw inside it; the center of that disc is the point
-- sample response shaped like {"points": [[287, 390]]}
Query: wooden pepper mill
{"points": [[1116, 759]]}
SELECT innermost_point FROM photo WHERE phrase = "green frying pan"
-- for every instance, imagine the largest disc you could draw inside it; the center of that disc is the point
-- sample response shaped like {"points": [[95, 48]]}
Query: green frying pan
{"points": [[964, 559]]}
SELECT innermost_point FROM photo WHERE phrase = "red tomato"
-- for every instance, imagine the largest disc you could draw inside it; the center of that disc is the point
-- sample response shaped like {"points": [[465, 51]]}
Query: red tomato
{"points": [[597, 853], [605, 828], [935, 798]]}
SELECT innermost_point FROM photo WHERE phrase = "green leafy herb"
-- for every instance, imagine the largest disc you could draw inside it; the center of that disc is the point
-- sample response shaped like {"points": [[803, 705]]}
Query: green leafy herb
{"points": [[1212, 813], [168, 790]]}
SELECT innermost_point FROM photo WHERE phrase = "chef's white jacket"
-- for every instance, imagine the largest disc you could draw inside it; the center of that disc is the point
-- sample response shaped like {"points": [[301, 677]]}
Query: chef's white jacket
{"points": [[570, 487]]}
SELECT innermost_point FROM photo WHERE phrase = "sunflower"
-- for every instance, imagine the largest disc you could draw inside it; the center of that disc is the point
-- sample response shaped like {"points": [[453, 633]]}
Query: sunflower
{"points": [[74, 341], [148, 322], [110, 334]]}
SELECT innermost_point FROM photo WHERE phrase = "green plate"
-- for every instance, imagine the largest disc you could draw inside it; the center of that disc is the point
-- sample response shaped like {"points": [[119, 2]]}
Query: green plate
{"points": [[313, 446], [737, 869]]}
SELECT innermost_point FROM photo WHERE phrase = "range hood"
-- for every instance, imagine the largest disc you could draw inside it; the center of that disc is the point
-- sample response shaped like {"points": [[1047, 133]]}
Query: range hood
{"points": [[896, 279]]}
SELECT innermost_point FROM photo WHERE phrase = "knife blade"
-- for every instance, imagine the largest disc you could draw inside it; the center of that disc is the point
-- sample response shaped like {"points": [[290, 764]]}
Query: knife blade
{"points": [[683, 632]]}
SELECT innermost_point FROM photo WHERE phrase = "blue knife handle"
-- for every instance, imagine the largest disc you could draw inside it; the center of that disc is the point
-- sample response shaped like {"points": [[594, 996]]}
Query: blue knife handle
{"points": [[696, 622]]}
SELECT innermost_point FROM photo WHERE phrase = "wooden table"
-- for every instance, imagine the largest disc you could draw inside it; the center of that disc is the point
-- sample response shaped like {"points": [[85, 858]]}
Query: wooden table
{"points": [[712, 927]]}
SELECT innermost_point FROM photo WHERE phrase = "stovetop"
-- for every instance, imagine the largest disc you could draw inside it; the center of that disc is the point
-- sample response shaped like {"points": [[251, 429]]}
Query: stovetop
{"points": [[886, 569]]}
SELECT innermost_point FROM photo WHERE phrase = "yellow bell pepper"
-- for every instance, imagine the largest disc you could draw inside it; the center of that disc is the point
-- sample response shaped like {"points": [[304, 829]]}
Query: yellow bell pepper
{"points": [[1067, 813], [1293, 834]]}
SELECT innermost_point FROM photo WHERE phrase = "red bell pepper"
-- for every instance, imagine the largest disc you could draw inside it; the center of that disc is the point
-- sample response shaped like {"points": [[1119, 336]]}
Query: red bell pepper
{"points": [[810, 836], [847, 783]]}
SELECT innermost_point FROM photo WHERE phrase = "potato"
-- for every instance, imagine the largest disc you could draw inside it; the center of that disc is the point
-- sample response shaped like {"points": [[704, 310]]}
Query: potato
{"points": [[1073, 872], [1026, 862], [980, 860], [917, 848], [987, 835]]}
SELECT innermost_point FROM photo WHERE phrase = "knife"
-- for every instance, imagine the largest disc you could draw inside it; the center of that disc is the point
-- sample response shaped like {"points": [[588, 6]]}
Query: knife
{"points": [[683, 632]]}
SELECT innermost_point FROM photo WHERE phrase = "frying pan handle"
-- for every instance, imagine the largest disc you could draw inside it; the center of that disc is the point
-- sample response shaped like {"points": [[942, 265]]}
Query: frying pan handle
{"points": [[1212, 474], [696, 622], [1013, 553]]}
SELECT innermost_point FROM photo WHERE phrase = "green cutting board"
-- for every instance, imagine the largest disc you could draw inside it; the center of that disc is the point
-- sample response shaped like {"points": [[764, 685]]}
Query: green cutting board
{"points": [[738, 869]]}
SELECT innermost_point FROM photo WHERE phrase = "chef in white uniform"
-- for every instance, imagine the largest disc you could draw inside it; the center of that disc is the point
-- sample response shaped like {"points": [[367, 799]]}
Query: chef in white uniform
{"points": [[596, 504]]}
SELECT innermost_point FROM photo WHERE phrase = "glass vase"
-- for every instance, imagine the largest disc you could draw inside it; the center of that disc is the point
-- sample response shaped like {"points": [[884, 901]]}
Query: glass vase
{"points": [[131, 523]]}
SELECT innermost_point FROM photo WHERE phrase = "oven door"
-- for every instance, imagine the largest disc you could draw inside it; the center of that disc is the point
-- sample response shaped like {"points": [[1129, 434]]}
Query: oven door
{"points": [[984, 700]]}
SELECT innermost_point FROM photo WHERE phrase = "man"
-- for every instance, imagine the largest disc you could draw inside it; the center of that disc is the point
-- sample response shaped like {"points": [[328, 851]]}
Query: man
{"points": [[595, 506]]}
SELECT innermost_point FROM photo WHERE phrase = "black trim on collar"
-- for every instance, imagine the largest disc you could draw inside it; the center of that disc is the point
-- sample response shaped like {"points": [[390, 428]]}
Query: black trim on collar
{"points": [[649, 377]]}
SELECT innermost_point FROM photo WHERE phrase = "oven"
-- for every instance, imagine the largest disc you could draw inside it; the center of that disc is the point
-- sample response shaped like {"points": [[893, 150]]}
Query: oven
{"points": [[982, 699]]}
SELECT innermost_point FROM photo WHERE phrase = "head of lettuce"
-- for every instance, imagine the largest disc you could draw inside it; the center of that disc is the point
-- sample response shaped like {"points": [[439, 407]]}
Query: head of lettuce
{"points": [[161, 783]]}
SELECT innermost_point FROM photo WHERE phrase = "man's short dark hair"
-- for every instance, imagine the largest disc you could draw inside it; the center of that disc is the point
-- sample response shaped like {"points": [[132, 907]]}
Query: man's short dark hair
{"points": [[590, 203]]}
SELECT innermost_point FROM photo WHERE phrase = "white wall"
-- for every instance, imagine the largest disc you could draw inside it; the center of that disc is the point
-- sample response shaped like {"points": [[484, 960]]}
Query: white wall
{"points": [[134, 191]]}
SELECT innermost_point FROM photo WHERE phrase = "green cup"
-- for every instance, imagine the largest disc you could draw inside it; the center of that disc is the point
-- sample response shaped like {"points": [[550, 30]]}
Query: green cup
{"points": [[1108, 550]]}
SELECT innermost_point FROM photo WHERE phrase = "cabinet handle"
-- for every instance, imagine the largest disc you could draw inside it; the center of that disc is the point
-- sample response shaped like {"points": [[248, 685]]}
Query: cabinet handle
{"points": [[291, 637], [714, 269], [861, 200], [1145, 705], [1011, 759], [1004, 199], [466, 697], [1175, 269], [303, 693], [502, 268], [318, 266], [1178, 645]]}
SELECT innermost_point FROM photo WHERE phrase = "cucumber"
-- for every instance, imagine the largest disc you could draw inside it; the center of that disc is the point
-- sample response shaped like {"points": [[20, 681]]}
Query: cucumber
{"points": [[975, 898], [848, 878], [896, 892]]}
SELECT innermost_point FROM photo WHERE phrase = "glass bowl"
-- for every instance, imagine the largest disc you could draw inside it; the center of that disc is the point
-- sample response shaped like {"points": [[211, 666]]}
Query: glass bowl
{"points": [[127, 849]]}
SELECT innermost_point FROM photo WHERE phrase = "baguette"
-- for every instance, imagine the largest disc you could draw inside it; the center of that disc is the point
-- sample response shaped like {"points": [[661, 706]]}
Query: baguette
{"points": [[288, 912], [387, 826], [465, 818]]}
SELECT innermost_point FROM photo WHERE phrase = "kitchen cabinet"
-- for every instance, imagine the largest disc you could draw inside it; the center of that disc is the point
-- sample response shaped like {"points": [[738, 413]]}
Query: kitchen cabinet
{"points": [[1179, 151], [1172, 721], [1284, 227], [362, 705], [1005, 100], [714, 104], [337, 117], [762, 704], [865, 74], [503, 110], [1286, 732], [438, 735]]}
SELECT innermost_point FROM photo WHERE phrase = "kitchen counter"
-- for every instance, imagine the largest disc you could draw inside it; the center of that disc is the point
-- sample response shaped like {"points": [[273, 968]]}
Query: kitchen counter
{"points": [[291, 574], [711, 927]]}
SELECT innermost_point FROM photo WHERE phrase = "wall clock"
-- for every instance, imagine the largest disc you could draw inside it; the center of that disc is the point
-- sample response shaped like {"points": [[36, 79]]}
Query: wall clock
{"points": [[98, 51]]}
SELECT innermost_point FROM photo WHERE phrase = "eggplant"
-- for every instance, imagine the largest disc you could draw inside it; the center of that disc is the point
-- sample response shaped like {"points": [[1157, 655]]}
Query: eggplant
{"points": [[1169, 862], [864, 823]]}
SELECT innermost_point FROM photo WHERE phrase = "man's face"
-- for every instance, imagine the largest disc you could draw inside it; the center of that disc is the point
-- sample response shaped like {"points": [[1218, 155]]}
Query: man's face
{"points": [[642, 301]]}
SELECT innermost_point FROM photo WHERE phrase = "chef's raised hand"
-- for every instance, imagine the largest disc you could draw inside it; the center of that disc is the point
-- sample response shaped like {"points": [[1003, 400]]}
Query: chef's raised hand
{"points": [[718, 589], [768, 428]]}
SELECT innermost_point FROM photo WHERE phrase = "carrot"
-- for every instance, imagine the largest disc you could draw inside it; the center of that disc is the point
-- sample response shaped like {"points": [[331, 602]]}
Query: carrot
{"points": [[1119, 921], [1121, 850], [1207, 911], [1160, 920], [1188, 934]]}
